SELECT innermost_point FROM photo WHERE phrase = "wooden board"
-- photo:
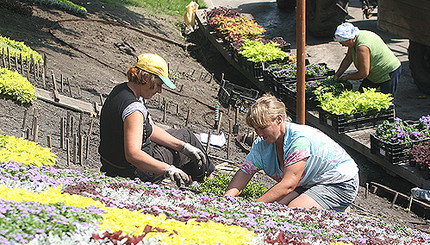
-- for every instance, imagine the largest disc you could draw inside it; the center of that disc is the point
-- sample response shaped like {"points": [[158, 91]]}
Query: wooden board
{"points": [[406, 18], [65, 101]]}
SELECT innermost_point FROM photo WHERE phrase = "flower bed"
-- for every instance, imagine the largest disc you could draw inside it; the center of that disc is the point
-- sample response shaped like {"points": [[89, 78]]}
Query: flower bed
{"points": [[391, 139], [45, 205]]}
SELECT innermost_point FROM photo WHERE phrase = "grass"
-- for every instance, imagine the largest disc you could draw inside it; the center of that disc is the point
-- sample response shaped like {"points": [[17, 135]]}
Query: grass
{"points": [[175, 8]]}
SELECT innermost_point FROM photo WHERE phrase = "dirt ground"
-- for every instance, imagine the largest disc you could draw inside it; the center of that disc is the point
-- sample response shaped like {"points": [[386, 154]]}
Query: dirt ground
{"points": [[92, 56]]}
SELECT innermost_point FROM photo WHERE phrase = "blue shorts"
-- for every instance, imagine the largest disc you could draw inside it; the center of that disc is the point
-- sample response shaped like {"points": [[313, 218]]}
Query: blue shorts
{"points": [[333, 196]]}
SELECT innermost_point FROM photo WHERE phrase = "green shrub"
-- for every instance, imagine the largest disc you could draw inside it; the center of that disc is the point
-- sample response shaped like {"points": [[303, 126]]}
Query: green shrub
{"points": [[16, 87], [19, 48], [24, 151], [219, 183]]}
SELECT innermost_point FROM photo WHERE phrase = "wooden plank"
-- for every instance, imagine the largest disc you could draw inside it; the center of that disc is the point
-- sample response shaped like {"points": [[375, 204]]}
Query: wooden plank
{"points": [[405, 18], [360, 142], [218, 44], [65, 101]]}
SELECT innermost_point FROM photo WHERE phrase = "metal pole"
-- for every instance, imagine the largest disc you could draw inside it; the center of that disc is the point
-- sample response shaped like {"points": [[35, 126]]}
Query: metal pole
{"points": [[301, 57]]}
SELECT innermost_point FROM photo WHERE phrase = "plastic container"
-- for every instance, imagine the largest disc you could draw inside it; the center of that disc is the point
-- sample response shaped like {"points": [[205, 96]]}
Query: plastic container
{"points": [[420, 194]]}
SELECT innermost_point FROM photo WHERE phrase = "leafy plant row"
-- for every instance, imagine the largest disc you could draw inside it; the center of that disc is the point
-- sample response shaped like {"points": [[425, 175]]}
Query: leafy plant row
{"points": [[19, 48], [16, 87], [400, 131], [349, 102], [219, 183], [65, 5], [24, 151]]}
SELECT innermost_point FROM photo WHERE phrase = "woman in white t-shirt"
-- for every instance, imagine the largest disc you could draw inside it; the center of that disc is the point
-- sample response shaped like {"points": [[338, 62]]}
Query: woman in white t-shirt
{"points": [[311, 169]]}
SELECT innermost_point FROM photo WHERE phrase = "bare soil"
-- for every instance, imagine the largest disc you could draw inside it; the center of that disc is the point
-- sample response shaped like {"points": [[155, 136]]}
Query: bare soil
{"points": [[92, 55]]}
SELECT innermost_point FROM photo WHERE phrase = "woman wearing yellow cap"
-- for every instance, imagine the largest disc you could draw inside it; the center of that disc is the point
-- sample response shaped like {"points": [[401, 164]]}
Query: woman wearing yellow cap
{"points": [[131, 145]]}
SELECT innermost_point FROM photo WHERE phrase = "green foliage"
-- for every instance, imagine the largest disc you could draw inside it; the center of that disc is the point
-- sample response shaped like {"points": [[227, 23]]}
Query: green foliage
{"points": [[349, 102], [330, 85], [65, 5], [219, 183], [236, 28], [35, 218], [170, 7], [24, 151], [16, 87], [257, 51], [19, 48]]}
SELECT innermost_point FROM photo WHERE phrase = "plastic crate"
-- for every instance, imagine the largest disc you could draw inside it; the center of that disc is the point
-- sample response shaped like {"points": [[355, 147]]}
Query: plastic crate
{"points": [[236, 96], [393, 153], [278, 80], [361, 120]]}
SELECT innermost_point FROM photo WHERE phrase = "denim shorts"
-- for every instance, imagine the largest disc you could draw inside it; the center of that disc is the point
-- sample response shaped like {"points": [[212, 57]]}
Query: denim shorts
{"points": [[333, 196]]}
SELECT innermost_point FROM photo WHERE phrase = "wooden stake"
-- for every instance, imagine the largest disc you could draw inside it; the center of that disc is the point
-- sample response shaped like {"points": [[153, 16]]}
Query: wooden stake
{"points": [[367, 190], [208, 144], [54, 82], [75, 148], [22, 63], [219, 122], [71, 125], [411, 198], [230, 129], [79, 92], [181, 88], [62, 133], [8, 58], [49, 141], [87, 147], [16, 62], [177, 109], [24, 119], [36, 133], [61, 83], [188, 117], [81, 149], [394, 199], [70, 88], [80, 124], [68, 151], [28, 133], [44, 78], [45, 62], [38, 70], [3, 58]]}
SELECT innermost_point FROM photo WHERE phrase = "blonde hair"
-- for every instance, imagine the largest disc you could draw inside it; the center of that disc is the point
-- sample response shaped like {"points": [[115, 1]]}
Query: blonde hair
{"points": [[138, 76], [264, 111]]}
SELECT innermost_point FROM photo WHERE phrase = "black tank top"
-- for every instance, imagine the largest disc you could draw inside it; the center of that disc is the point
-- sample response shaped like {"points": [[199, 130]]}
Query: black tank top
{"points": [[112, 126]]}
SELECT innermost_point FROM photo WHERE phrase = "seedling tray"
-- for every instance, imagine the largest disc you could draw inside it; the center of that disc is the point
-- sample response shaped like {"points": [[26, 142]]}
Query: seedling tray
{"points": [[289, 96], [393, 153], [236, 95], [353, 122]]}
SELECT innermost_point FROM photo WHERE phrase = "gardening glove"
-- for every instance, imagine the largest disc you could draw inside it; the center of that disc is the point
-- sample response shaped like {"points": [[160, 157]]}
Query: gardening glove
{"points": [[177, 175], [194, 153]]}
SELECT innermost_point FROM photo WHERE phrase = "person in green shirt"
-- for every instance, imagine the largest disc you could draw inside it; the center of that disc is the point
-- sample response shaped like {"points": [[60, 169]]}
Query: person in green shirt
{"points": [[376, 64]]}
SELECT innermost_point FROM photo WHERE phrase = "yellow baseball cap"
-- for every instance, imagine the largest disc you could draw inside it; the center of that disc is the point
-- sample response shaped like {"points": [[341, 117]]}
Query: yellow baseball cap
{"points": [[155, 64]]}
